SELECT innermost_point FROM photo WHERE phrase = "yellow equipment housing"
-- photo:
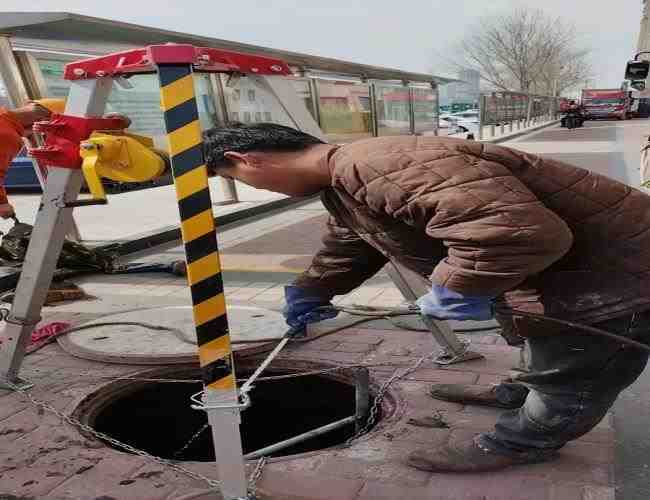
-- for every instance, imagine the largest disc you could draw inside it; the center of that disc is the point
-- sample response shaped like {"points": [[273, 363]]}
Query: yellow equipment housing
{"points": [[119, 156]]}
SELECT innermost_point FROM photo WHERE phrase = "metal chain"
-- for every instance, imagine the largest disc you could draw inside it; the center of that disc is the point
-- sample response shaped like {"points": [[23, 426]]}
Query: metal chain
{"points": [[381, 393], [191, 440], [255, 476], [214, 484]]}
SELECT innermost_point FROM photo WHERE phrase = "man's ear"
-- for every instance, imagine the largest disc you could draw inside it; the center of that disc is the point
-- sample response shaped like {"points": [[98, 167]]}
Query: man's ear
{"points": [[239, 158]]}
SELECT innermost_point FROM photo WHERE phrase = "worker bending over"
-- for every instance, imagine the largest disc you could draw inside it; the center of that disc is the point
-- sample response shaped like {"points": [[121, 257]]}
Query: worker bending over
{"points": [[493, 229]]}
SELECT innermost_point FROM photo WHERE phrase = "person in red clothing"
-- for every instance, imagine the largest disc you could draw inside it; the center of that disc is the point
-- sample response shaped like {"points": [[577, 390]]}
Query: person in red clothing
{"points": [[14, 125]]}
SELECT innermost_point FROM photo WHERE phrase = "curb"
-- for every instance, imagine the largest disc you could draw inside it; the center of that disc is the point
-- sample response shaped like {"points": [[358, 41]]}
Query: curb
{"points": [[167, 234]]}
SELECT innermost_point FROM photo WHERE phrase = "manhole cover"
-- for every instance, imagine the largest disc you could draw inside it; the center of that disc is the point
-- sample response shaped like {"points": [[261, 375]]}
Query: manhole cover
{"points": [[134, 344]]}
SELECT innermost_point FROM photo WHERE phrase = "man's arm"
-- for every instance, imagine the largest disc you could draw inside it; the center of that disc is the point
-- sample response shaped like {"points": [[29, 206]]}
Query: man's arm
{"points": [[495, 247], [343, 263]]}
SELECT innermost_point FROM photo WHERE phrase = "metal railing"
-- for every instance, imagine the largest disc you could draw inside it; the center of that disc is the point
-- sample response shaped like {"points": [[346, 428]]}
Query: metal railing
{"points": [[501, 113]]}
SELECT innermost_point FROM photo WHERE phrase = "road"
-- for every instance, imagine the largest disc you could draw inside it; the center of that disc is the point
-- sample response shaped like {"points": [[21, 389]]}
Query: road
{"points": [[612, 149]]}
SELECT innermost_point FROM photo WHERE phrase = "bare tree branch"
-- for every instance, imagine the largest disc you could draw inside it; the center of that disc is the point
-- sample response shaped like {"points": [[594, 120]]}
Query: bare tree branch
{"points": [[525, 51]]}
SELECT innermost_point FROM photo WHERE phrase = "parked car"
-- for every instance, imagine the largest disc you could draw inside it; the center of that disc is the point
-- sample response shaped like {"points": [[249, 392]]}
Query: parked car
{"points": [[464, 124]]}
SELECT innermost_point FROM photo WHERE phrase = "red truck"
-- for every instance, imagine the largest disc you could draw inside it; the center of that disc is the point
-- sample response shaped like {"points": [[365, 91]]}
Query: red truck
{"points": [[606, 103]]}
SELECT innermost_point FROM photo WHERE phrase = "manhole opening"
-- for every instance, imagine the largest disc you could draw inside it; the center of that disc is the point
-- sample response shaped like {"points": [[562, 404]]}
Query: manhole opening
{"points": [[157, 418]]}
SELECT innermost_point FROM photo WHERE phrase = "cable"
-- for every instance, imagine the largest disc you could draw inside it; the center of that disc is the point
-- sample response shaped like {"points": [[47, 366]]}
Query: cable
{"points": [[579, 326], [370, 314]]}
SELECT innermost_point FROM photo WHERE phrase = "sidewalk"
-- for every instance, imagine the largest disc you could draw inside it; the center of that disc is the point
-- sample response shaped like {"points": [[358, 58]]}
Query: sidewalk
{"points": [[130, 215]]}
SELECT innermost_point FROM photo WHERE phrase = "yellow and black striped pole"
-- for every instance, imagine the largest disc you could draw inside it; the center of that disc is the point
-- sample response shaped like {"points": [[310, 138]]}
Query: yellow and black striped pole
{"points": [[203, 270]]}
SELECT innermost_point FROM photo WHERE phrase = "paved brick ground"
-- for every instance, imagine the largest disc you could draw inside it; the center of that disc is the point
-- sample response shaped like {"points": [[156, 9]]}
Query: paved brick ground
{"points": [[44, 458]]}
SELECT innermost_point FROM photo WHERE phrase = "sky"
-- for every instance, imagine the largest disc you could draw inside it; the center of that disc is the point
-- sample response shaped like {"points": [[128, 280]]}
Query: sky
{"points": [[410, 35]]}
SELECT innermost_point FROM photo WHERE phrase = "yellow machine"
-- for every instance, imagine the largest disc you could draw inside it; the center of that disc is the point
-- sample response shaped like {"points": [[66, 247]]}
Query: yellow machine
{"points": [[119, 156]]}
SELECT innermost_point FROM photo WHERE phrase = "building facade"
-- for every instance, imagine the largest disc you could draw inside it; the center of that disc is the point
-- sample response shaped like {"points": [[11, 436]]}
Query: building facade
{"points": [[464, 93], [644, 33]]}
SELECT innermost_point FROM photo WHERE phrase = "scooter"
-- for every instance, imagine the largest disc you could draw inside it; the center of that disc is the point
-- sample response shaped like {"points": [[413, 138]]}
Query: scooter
{"points": [[572, 120]]}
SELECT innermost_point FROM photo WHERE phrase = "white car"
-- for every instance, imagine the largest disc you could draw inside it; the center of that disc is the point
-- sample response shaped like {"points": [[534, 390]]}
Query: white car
{"points": [[443, 121], [463, 124]]}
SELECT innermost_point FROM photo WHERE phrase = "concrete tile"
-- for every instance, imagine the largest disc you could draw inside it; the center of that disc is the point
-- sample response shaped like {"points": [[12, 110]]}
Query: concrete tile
{"points": [[18, 426], [598, 493], [108, 478], [592, 453], [302, 464], [566, 491], [295, 486], [392, 472], [460, 487], [443, 376], [511, 485], [416, 395], [250, 292], [357, 347], [36, 481], [334, 357], [363, 336], [377, 490], [598, 435], [10, 404], [423, 436]]}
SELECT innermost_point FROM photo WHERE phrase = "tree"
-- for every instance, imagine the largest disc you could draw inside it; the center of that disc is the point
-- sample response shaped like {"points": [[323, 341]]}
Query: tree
{"points": [[525, 51]]}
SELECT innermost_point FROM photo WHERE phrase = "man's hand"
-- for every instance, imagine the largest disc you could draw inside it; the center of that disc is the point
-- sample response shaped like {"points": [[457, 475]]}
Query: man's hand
{"points": [[31, 113], [443, 303], [304, 306], [6, 211]]}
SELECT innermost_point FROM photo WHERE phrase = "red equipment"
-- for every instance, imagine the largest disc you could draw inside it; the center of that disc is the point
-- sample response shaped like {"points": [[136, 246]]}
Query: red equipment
{"points": [[203, 59], [63, 134]]}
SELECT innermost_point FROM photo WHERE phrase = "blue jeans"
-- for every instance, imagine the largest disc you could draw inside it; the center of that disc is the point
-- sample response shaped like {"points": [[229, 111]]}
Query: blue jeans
{"points": [[574, 380]]}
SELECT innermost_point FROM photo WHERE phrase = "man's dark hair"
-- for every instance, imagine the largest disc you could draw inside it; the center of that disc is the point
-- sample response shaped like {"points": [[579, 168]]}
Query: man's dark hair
{"points": [[242, 138]]}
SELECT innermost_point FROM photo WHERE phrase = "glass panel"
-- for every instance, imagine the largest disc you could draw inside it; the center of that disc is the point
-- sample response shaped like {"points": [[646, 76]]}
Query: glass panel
{"points": [[344, 110], [257, 104], [303, 89], [392, 110], [425, 110], [52, 70], [206, 101]]}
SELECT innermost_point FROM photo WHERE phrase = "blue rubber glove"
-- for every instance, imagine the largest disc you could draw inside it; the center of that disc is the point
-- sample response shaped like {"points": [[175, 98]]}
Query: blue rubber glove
{"points": [[443, 303], [305, 306]]}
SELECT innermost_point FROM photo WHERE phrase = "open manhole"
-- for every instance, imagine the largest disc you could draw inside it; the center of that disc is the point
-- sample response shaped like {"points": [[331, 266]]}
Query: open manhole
{"points": [[157, 417]]}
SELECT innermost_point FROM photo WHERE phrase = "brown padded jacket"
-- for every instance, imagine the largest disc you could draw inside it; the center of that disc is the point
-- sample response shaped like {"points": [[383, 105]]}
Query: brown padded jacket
{"points": [[536, 234]]}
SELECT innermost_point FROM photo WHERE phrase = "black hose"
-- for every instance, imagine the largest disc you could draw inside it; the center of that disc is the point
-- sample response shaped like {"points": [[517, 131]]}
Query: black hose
{"points": [[579, 326]]}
